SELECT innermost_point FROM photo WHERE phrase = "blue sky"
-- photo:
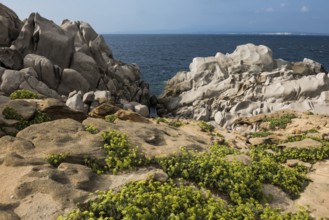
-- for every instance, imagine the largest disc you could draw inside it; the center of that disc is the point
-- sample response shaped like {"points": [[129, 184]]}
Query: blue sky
{"points": [[185, 16]]}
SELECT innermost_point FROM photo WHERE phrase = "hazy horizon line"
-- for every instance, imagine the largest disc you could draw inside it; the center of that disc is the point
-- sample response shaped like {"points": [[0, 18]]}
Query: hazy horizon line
{"points": [[221, 33]]}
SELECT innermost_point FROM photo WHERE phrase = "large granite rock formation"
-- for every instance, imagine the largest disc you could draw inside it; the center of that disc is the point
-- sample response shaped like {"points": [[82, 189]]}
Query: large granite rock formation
{"points": [[10, 25], [244, 83], [55, 60]]}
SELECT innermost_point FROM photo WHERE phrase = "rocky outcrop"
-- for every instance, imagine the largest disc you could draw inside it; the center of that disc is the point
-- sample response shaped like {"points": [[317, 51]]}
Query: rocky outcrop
{"points": [[10, 25], [54, 60], [245, 83]]}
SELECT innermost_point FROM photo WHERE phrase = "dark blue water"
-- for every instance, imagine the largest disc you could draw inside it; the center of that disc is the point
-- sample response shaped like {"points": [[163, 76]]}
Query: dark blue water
{"points": [[160, 57]]}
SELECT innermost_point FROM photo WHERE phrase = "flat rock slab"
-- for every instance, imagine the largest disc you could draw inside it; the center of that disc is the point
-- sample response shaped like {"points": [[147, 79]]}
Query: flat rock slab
{"points": [[307, 143], [316, 195], [24, 108], [63, 136]]}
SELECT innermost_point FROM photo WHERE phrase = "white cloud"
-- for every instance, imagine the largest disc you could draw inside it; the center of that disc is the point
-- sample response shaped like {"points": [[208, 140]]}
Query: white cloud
{"points": [[282, 5], [269, 10], [266, 10], [304, 9]]}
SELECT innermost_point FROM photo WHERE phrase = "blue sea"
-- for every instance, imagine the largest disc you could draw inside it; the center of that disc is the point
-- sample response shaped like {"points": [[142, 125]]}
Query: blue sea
{"points": [[160, 57]]}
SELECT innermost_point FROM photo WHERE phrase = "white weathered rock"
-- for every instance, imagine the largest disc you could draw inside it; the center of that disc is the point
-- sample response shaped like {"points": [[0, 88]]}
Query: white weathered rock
{"points": [[102, 95], [75, 102], [88, 97], [246, 82], [143, 110], [202, 114]]}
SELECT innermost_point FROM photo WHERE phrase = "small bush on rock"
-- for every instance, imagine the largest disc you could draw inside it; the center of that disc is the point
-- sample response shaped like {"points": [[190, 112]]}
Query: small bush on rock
{"points": [[10, 113], [110, 118], [91, 129], [260, 134], [205, 127], [120, 155], [155, 200], [56, 159], [23, 94], [175, 124], [280, 122]]}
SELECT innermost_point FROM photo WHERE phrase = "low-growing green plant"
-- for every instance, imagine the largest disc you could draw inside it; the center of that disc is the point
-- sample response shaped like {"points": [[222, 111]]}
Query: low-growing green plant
{"points": [[295, 138], [163, 120], [91, 129], [313, 130], [172, 122], [56, 159], [120, 154], [96, 165], [39, 117], [206, 127], [214, 171], [261, 134], [281, 121], [155, 200], [111, 118], [23, 94], [175, 124], [11, 113]]}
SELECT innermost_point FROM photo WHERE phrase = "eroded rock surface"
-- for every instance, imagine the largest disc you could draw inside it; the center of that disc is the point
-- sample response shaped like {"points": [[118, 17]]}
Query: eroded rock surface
{"points": [[246, 82], [54, 60]]}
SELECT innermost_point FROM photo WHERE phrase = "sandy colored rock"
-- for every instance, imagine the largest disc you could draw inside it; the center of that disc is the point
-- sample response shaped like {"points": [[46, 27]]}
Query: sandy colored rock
{"points": [[63, 136], [24, 108], [103, 110], [306, 143], [56, 109], [316, 195], [131, 116]]}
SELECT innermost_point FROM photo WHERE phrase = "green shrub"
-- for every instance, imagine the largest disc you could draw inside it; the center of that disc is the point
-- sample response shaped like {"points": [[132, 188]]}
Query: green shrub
{"points": [[280, 122], [313, 130], [39, 117], [261, 134], [91, 129], [175, 124], [96, 165], [155, 200], [163, 120], [23, 94], [172, 123], [10, 113], [213, 171], [56, 159], [110, 118], [205, 127], [120, 155]]}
